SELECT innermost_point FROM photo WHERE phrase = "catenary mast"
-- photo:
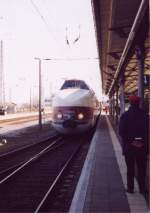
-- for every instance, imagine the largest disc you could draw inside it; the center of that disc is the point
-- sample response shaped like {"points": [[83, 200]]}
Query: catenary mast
{"points": [[2, 88]]}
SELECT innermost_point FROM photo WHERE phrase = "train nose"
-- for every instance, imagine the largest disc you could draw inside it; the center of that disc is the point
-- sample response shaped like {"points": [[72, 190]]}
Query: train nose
{"points": [[69, 123]]}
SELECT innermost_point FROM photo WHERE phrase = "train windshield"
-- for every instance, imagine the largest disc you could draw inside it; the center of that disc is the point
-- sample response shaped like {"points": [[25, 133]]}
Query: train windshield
{"points": [[74, 84]]}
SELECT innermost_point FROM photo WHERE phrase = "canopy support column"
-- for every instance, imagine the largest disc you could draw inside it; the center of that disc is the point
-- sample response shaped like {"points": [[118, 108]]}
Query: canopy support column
{"points": [[117, 109], [140, 56], [122, 94]]}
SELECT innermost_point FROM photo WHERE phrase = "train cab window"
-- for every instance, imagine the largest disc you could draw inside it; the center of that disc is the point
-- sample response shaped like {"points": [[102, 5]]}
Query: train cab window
{"points": [[74, 84]]}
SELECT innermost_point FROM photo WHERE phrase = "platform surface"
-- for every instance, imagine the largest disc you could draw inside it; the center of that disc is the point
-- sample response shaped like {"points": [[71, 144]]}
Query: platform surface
{"points": [[102, 184]]}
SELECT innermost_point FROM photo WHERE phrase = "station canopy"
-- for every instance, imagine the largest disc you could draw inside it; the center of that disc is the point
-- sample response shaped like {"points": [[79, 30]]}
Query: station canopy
{"points": [[121, 26]]}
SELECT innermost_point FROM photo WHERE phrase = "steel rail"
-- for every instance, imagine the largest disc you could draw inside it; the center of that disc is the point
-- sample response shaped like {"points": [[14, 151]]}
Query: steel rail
{"points": [[18, 150], [25, 147], [51, 147], [63, 169]]}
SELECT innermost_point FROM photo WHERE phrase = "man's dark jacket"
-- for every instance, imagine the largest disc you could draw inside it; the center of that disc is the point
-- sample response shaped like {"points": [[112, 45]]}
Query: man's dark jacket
{"points": [[133, 123]]}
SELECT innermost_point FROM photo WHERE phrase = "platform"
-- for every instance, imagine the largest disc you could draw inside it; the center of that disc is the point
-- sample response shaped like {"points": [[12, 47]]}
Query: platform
{"points": [[101, 187]]}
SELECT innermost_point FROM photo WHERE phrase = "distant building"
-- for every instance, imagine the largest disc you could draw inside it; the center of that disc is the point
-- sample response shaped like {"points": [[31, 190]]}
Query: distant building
{"points": [[11, 108]]}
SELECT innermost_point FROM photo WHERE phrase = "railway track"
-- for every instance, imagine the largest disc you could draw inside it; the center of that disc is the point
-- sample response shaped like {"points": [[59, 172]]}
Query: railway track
{"points": [[12, 159], [23, 119], [30, 186]]}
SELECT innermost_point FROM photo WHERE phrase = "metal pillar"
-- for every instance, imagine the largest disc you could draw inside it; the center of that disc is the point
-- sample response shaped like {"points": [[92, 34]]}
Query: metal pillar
{"points": [[40, 93], [117, 106], [30, 100], [113, 107], [122, 95], [110, 105], [140, 56], [2, 88]]}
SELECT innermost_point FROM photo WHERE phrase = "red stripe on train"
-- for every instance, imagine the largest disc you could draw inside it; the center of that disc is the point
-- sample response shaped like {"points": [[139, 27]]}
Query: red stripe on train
{"points": [[86, 111]]}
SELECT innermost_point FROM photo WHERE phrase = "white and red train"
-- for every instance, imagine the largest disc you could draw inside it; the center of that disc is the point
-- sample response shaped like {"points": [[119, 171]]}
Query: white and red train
{"points": [[75, 108]]}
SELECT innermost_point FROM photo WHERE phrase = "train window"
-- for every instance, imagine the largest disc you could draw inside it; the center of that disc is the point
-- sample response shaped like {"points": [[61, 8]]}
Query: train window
{"points": [[74, 84], [83, 86]]}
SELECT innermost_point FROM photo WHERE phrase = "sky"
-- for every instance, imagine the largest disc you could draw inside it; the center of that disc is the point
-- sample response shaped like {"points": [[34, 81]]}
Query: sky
{"points": [[62, 31]]}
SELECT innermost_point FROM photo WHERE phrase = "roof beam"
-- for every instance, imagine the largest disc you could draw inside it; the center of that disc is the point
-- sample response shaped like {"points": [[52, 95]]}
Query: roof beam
{"points": [[112, 67], [138, 19], [114, 55], [122, 31]]}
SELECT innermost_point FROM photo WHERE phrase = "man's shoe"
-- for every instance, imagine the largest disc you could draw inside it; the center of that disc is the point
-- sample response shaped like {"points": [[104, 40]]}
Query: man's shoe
{"points": [[131, 191]]}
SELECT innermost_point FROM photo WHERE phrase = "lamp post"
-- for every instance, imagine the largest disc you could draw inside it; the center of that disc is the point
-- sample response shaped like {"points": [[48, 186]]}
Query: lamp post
{"points": [[40, 90]]}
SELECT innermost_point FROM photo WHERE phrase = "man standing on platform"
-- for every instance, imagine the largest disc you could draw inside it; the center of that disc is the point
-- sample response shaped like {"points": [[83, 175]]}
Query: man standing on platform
{"points": [[133, 129]]}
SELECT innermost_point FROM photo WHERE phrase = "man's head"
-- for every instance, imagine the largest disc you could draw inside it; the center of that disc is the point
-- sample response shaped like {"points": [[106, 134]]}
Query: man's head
{"points": [[134, 100]]}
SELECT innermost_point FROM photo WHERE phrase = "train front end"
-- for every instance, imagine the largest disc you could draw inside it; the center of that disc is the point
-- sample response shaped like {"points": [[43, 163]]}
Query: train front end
{"points": [[74, 108]]}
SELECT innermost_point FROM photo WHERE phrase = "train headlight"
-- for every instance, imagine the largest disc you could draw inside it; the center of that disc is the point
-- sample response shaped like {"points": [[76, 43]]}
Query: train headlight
{"points": [[80, 116], [59, 115]]}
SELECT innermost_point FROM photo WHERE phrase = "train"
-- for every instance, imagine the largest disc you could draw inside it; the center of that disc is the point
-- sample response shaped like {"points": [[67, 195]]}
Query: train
{"points": [[75, 108]]}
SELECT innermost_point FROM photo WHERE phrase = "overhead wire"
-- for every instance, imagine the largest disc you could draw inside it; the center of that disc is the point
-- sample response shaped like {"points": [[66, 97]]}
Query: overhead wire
{"points": [[67, 41], [76, 38], [43, 19], [47, 25], [71, 59], [39, 13]]}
